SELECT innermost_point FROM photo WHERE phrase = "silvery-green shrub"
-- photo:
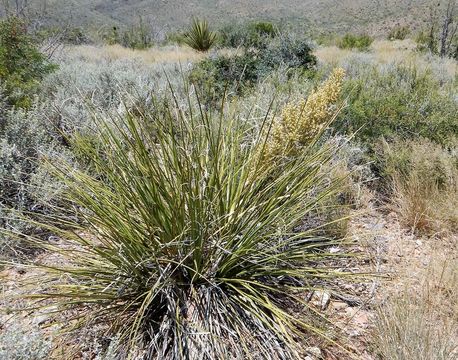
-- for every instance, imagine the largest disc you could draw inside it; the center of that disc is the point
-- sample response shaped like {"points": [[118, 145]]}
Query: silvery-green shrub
{"points": [[18, 343]]}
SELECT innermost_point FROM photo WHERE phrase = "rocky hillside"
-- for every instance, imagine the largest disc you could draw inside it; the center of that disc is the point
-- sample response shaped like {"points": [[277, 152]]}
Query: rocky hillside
{"points": [[374, 16]]}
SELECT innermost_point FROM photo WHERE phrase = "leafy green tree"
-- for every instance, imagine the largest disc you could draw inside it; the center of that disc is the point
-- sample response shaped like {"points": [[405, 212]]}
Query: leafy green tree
{"points": [[22, 65]]}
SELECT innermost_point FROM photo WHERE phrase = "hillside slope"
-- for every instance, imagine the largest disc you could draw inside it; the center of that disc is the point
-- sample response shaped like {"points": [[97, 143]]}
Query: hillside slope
{"points": [[372, 15]]}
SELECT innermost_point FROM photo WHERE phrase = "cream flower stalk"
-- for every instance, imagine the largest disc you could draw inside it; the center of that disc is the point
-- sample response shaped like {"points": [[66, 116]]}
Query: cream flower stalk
{"points": [[301, 121]]}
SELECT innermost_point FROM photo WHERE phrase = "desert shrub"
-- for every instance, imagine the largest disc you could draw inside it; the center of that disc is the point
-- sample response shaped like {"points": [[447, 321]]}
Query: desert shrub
{"points": [[137, 36], [19, 343], [237, 73], [426, 42], [264, 28], [351, 41], [399, 101], [438, 36], [111, 36], [289, 52], [424, 180], [429, 43], [250, 35], [199, 36], [398, 33], [177, 37], [68, 35], [75, 36], [231, 74], [26, 187], [188, 244], [81, 85], [22, 66]]}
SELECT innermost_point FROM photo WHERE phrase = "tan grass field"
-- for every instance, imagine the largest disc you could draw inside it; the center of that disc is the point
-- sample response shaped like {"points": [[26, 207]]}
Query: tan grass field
{"points": [[386, 52], [381, 51], [167, 54]]}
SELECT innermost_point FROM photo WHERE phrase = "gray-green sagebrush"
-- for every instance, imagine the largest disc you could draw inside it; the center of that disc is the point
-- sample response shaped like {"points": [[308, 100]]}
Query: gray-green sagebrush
{"points": [[183, 243]]}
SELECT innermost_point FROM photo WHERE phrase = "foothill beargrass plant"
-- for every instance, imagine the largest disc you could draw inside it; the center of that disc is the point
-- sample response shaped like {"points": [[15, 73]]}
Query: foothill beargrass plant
{"points": [[199, 36], [301, 121], [185, 243]]}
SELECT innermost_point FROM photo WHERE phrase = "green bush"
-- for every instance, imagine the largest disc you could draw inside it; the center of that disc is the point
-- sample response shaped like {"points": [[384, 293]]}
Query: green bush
{"points": [[427, 41], [398, 33], [237, 73], [264, 28], [399, 101], [190, 245], [289, 52], [351, 41], [22, 66], [112, 36], [230, 74], [177, 37], [137, 37], [250, 35]]}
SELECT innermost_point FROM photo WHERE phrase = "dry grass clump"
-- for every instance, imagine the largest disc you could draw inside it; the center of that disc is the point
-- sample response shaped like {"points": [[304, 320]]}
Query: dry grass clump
{"points": [[421, 324], [424, 184]]}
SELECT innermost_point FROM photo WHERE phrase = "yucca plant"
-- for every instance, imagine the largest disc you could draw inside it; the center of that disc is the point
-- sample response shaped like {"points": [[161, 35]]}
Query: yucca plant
{"points": [[199, 36], [187, 246]]}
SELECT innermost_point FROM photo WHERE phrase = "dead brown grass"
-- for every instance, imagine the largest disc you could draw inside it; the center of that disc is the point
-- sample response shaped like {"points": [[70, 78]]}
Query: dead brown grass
{"points": [[421, 321], [424, 185], [424, 207]]}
